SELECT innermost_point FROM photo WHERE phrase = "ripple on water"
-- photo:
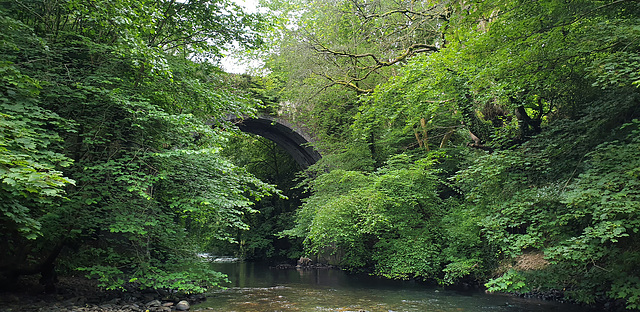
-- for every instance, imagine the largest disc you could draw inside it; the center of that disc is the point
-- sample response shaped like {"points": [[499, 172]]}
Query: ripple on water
{"points": [[334, 291], [289, 299]]}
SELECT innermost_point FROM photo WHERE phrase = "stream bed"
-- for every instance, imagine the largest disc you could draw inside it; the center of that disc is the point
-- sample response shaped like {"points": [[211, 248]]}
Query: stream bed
{"points": [[256, 287]]}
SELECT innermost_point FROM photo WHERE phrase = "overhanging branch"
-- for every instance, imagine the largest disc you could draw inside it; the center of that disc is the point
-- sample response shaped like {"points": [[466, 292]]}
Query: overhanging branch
{"points": [[351, 81], [408, 52]]}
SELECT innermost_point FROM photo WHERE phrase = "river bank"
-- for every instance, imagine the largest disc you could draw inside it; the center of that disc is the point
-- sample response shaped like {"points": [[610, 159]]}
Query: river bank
{"points": [[79, 294]]}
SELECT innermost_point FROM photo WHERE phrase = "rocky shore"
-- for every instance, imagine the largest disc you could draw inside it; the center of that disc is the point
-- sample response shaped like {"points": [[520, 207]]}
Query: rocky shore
{"points": [[78, 294]]}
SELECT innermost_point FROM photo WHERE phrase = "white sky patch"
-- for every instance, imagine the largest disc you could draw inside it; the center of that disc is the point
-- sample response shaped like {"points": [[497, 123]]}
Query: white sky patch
{"points": [[251, 6], [232, 63]]}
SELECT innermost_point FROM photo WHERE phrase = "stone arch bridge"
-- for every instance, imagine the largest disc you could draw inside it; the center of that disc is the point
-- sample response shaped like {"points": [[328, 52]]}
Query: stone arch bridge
{"points": [[294, 140]]}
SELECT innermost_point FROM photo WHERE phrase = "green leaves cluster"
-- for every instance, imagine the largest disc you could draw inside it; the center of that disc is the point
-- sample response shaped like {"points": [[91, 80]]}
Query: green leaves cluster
{"points": [[532, 107], [267, 161], [108, 160], [392, 219], [30, 149]]}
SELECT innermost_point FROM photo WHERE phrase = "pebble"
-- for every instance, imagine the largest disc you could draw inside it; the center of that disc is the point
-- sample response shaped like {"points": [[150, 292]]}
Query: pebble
{"points": [[77, 294], [78, 305], [153, 303], [182, 306]]}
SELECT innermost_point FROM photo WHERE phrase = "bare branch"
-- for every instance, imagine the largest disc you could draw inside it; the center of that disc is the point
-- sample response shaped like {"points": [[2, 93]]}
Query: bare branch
{"points": [[346, 83], [408, 52], [406, 13]]}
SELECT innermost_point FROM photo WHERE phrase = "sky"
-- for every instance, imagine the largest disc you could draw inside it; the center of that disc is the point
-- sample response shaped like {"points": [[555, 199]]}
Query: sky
{"points": [[229, 63], [250, 5]]}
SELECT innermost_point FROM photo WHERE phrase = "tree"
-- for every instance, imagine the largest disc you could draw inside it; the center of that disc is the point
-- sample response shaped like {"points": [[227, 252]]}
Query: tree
{"points": [[347, 47], [355, 41], [267, 161], [125, 112], [548, 91]]}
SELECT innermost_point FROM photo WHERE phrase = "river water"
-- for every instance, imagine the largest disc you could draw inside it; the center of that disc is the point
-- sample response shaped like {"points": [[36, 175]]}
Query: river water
{"points": [[257, 288]]}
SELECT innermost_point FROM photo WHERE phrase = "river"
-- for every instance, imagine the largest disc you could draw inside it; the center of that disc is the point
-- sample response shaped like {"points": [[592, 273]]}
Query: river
{"points": [[257, 288]]}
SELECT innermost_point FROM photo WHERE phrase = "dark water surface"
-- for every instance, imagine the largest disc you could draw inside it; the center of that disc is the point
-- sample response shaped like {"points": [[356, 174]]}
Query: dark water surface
{"points": [[258, 288]]}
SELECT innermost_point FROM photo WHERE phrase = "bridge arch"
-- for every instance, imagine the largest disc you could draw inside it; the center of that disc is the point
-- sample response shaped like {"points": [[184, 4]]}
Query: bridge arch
{"points": [[295, 142]]}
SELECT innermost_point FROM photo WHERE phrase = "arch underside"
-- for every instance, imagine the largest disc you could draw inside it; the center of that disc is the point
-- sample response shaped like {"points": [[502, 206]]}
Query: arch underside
{"points": [[288, 139]]}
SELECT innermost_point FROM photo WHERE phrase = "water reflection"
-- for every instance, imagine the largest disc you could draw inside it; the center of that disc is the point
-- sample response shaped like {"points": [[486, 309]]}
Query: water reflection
{"points": [[258, 288]]}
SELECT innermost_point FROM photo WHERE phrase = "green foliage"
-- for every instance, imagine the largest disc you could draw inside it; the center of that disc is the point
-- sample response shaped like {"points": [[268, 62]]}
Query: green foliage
{"points": [[312, 220], [548, 92], [265, 160], [515, 135], [390, 219], [416, 254], [30, 151], [602, 207], [618, 69], [345, 48], [626, 288], [107, 146], [466, 254], [415, 111], [509, 282], [193, 276]]}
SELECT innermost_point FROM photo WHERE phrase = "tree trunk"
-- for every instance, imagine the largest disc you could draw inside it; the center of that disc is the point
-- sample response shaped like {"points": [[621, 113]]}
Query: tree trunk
{"points": [[479, 132], [527, 125]]}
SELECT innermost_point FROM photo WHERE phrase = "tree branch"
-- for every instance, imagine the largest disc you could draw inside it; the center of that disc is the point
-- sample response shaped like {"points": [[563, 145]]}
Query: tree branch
{"points": [[408, 52]]}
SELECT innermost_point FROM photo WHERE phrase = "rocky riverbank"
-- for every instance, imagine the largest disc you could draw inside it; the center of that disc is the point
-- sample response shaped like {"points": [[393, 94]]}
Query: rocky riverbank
{"points": [[78, 294]]}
